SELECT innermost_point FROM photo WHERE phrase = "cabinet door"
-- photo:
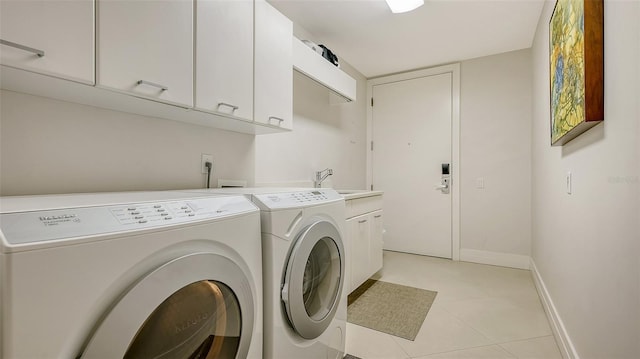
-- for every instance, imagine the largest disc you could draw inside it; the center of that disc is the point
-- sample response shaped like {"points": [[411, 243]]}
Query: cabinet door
{"points": [[224, 57], [350, 231], [146, 48], [359, 233], [273, 67], [62, 30], [376, 242]]}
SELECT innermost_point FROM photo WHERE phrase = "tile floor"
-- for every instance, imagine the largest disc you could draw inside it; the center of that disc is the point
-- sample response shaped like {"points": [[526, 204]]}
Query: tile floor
{"points": [[480, 311]]}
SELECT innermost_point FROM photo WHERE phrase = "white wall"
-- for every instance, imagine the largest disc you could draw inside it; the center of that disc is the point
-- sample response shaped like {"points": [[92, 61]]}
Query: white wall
{"points": [[495, 132], [324, 135], [586, 245], [50, 146]]}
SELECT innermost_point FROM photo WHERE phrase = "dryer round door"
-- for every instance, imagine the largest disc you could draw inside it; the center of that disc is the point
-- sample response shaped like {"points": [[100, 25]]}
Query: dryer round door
{"points": [[314, 279], [196, 306]]}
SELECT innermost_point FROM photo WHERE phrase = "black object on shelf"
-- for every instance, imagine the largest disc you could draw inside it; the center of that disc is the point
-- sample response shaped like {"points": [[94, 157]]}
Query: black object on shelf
{"points": [[330, 56]]}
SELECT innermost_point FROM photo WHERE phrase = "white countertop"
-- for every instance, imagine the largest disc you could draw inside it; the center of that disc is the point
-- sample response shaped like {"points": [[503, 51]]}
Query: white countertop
{"points": [[353, 194]]}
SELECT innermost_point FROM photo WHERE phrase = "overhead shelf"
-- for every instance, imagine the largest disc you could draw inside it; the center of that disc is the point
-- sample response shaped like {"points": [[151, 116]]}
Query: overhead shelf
{"points": [[311, 64]]}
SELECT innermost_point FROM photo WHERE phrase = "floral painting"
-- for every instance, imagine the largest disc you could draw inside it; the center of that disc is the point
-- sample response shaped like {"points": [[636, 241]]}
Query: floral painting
{"points": [[573, 69]]}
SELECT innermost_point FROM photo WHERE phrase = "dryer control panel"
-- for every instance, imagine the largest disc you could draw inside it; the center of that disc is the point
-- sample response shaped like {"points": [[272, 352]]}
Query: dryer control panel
{"points": [[296, 199], [29, 227]]}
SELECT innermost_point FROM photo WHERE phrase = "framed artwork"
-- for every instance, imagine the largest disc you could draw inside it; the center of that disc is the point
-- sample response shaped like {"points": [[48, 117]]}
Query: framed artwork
{"points": [[576, 61]]}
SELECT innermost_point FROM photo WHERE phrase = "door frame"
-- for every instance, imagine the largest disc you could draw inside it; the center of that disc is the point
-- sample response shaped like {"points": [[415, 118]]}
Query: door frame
{"points": [[454, 70]]}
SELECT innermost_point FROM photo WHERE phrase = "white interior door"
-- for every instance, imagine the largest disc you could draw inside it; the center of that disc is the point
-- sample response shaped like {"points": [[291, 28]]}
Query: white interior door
{"points": [[411, 133]]}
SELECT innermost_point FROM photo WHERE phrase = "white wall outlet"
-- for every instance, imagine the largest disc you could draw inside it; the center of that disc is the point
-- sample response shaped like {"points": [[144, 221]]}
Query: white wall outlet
{"points": [[480, 183], [568, 178], [204, 159]]}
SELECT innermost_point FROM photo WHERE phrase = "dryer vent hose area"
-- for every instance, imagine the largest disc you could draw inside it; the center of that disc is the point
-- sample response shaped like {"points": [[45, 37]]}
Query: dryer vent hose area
{"points": [[209, 166]]}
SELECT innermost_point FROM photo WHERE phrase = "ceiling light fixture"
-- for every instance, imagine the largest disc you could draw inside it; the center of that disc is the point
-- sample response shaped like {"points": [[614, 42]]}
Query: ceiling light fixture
{"points": [[400, 6]]}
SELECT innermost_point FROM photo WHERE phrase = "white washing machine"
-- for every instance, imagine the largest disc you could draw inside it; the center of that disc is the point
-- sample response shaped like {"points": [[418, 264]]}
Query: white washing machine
{"points": [[130, 275], [305, 299]]}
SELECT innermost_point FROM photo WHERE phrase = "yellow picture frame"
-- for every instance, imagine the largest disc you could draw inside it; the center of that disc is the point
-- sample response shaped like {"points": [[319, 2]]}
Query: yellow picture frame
{"points": [[576, 64]]}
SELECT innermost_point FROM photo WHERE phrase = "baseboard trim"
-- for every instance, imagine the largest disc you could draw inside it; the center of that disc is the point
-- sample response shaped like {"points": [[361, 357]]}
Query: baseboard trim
{"points": [[565, 344], [495, 258]]}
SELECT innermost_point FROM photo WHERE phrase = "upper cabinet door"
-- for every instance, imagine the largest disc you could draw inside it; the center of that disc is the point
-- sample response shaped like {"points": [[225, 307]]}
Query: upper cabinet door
{"points": [[273, 67], [224, 57], [60, 31], [146, 48]]}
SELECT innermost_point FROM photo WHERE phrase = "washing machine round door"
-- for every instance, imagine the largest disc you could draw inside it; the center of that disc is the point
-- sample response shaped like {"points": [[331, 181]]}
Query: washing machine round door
{"points": [[314, 279], [196, 306]]}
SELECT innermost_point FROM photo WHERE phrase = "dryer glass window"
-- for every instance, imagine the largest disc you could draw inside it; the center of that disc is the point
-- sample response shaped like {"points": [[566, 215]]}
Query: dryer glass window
{"points": [[321, 280], [200, 321]]}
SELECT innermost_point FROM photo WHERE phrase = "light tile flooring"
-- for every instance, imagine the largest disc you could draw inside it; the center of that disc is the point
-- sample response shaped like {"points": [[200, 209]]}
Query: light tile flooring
{"points": [[480, 311]]}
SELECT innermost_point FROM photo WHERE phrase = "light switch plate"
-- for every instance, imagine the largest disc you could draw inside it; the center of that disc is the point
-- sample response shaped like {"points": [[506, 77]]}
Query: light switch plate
{"points": [[480, 183], [568, 178]]}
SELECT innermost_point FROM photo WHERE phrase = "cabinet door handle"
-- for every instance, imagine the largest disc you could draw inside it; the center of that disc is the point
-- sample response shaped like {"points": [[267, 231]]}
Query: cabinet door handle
{"points": [[362, 221], [378, 216], [149, 83], [233, 107], [277, 119], [40, 53]]}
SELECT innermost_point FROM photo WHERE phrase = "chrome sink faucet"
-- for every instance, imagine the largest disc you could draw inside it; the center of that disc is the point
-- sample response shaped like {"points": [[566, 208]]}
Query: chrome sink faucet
{"points": [[321, 176]]}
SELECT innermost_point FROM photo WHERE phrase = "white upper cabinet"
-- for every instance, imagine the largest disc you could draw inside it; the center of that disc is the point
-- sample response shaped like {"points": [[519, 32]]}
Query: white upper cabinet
{"points": [[273, 103], [224, 57], [53, 37], [146, 48]]}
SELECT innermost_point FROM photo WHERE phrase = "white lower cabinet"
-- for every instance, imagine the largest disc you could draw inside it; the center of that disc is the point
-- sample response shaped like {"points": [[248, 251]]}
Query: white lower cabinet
{"points": [[53, 37], [375, 247], [364, 235]]}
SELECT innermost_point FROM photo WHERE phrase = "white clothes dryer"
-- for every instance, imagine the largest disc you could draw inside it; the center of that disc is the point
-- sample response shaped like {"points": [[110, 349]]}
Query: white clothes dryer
{"points": [[130, 275], [305, 299]]}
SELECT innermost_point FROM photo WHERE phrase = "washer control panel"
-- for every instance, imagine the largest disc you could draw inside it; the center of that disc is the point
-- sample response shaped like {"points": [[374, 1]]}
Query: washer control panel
{"points": [[297, 199], [22, 228], [155, 212]]}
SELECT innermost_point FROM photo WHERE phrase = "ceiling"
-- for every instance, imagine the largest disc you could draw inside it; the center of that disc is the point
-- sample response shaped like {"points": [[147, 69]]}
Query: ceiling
{"points": [[376, 42]]}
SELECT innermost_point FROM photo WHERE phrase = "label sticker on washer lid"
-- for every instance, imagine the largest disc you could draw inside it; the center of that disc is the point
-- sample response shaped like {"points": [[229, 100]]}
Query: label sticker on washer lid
{"points": [[60, 219]]}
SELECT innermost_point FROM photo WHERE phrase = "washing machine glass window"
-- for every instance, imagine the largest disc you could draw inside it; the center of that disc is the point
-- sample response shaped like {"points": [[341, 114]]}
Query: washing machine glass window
{"points": [[314, 279], [321, 279], [201, 320], [198, 318]]}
